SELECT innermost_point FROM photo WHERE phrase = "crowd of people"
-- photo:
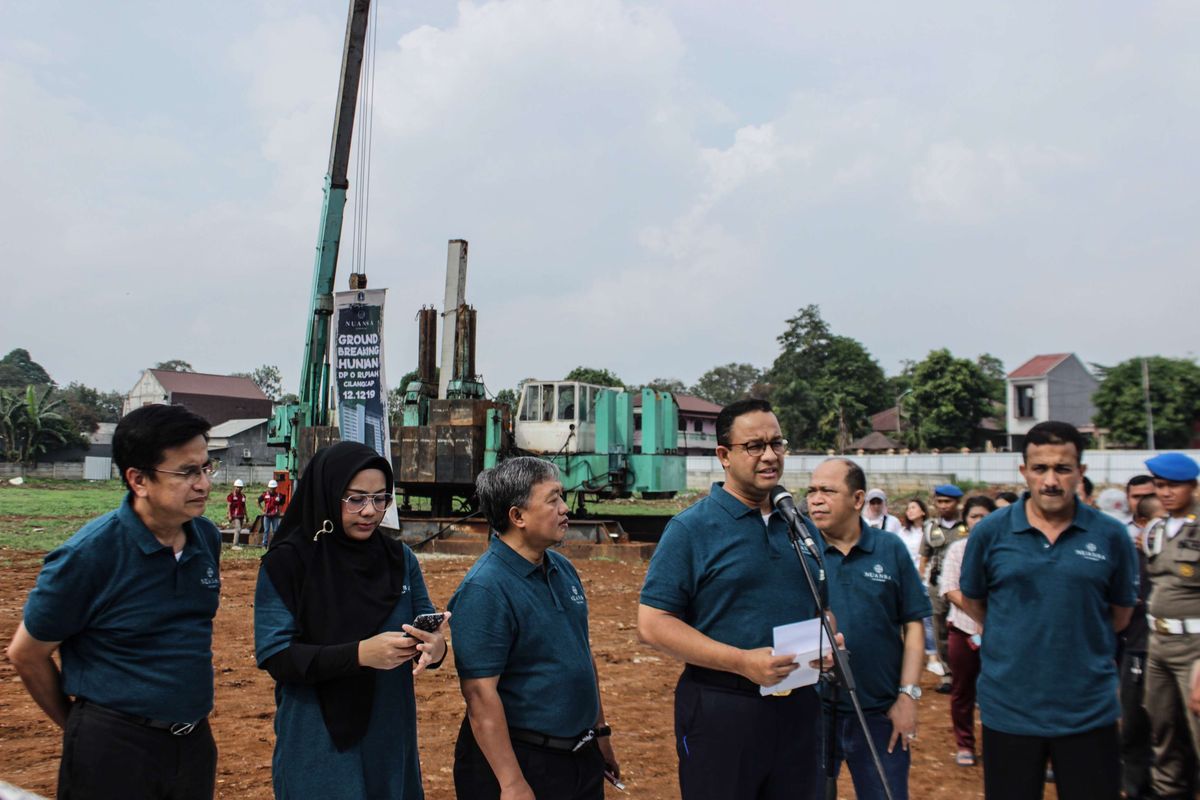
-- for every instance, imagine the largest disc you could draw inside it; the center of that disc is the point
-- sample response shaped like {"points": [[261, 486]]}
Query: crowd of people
{"points": [[1022, 605]]}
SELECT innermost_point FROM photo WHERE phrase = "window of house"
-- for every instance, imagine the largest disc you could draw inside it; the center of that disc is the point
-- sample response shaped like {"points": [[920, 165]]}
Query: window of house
{"points": [[698, 426], [1023, 401], [682, 424]]}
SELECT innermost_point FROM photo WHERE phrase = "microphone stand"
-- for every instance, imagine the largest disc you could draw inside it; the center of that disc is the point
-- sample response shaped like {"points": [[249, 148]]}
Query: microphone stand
{"points": [[842, 677]]}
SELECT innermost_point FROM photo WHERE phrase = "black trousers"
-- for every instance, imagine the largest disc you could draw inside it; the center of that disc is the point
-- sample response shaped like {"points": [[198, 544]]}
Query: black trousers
{"points": [[735, 745], [1086, 765], [106, 758], [1136, 753], [551, 774]]}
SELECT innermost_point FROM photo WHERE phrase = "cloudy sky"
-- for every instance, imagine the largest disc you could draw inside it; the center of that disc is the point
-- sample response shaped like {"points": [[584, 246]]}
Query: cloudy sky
{"points": [[647, 187]]}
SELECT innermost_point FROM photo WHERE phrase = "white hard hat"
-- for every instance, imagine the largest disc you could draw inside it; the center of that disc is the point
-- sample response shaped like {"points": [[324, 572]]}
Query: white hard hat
{"points": [[238, 484], [272, 484]]}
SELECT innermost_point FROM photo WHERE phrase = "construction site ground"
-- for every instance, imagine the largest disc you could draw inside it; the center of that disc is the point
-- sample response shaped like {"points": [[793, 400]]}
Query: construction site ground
{"points": [[636, 681]]}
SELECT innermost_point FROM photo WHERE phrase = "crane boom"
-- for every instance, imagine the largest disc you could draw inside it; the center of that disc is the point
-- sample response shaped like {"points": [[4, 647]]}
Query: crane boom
{"points": [[312, 407]]}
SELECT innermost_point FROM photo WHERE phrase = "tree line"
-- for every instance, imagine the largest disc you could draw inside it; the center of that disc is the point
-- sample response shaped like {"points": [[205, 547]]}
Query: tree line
{"points": [[38, 415], [825, 388]]}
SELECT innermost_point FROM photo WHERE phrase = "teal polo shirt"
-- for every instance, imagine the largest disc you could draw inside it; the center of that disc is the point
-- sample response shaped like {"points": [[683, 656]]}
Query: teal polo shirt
{"points": [[724, 572], [134, 622], [1048, 643], [873, 591], [528, 624]]}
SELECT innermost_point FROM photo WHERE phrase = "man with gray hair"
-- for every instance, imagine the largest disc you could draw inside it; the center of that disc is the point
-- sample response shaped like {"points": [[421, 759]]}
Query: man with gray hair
{"points": [[535, 724]]}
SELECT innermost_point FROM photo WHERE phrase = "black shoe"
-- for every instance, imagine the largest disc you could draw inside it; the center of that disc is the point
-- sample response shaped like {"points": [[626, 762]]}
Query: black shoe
{"points": [[943, 688]]}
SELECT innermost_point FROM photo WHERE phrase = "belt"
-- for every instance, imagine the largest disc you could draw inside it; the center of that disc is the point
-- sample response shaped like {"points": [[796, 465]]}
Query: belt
{"points": [[174, 728], [1173, 626], [559, 743], [725, 680]]}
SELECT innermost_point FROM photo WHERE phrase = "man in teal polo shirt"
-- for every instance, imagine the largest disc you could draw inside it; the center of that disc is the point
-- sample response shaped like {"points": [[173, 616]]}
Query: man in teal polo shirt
{"points": [[877, 595], [1052, 581], [535, 725], [722, 577], [129, 602]]}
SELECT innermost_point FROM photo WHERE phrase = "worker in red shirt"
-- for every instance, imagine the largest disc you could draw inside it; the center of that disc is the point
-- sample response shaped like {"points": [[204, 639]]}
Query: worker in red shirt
{"points": [[236, 501], [271, 503]]}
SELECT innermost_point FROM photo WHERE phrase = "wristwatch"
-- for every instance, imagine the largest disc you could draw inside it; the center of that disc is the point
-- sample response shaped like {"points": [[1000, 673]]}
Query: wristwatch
{"points": [[912, 690]]}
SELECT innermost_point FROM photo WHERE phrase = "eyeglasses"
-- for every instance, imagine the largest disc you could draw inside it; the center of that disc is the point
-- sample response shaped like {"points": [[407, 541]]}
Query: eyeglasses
{"points": [[357, 502], [757, 447], [193, 474]]}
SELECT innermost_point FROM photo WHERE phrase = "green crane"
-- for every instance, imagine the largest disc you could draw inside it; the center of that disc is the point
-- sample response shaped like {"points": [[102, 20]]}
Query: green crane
{"points": [[312, 407]]}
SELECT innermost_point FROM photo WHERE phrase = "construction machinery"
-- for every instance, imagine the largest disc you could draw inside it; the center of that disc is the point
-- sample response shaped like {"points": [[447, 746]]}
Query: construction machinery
{"points": [[450, 430]]}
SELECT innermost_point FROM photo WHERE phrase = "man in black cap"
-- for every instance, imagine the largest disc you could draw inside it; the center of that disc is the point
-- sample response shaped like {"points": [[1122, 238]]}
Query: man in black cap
{"points": [[940, 533], [1172, 548]]}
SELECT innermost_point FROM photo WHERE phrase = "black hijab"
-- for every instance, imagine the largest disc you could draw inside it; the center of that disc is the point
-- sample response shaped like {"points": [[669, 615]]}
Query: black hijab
{"points": [[338, 589]]}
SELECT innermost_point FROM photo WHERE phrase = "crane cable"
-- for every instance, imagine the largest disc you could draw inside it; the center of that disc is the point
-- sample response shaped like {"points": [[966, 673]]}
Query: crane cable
{"points": [[365, 136]]}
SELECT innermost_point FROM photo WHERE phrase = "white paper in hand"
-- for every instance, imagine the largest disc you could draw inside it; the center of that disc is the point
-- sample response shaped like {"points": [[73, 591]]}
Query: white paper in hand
{"points": [[805, 640]]}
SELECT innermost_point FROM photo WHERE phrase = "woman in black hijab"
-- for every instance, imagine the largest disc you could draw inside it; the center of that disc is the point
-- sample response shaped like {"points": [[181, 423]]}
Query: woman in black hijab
{"points": [[330, 625]]}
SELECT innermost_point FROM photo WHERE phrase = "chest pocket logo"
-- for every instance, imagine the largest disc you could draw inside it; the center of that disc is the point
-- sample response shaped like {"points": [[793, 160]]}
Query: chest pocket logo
{"points": [[1091, 553], [877, 574], [576, 595], [210, 581]]}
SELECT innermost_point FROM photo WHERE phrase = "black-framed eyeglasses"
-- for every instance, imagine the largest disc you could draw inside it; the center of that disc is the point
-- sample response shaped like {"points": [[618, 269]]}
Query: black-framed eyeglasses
{"points": [[357, 502], [757, 447], [208, 469]]}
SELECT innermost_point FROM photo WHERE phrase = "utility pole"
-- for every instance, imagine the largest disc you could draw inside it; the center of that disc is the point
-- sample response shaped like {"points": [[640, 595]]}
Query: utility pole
{"points": [[900, 397], [1149, 410]]}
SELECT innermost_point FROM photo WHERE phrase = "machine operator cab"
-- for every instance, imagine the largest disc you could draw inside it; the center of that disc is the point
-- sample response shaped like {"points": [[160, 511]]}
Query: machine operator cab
{"points": [[557, 417]]}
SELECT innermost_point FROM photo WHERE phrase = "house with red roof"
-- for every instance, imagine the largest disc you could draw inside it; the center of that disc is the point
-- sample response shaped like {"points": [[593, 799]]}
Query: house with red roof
{"points": [[697, 424], [217, 398], [1055, 386]]}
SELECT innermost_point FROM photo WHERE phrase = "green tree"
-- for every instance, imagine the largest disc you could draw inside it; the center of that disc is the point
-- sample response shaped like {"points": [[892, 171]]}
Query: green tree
{"points": [[600, 377], [993, 370], [729, 382], [1174, 401], [269, 379], [949, 399], [86, 407], [31, 422], [18, 370], [672, 385], [509, 398], [175, 365], [823, 385]]}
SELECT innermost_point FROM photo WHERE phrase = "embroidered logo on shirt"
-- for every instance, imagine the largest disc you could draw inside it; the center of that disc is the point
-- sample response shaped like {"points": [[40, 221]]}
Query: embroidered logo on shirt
{"points": [[878, 575], [576, 595], [209, 581], [1091, 554]]}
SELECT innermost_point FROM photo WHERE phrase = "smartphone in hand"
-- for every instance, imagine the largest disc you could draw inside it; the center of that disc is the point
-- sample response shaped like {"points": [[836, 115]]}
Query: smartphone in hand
{"points": [[428, 622]]}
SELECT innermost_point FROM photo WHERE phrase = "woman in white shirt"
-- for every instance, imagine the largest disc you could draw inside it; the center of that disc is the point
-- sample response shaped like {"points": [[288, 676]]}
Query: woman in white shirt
{"points": [[963, 637]]}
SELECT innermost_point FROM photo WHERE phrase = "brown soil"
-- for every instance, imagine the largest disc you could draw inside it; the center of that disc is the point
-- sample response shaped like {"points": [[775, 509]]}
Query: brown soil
{"points": [[636, 682]]}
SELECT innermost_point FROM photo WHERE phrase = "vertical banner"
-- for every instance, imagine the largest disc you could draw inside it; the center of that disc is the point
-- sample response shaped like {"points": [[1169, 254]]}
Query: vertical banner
{"points": [[359, 384]]}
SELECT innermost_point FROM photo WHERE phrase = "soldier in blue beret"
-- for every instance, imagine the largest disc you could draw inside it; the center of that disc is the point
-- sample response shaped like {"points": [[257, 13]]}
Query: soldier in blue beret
{"points": [[1172, 548], [940, 533]]}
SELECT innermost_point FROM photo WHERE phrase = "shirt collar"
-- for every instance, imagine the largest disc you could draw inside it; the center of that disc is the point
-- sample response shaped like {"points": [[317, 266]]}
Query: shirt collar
{"points": [[514, 560], [867, 538], [734, 507], [1085, 515], [137, 532]]}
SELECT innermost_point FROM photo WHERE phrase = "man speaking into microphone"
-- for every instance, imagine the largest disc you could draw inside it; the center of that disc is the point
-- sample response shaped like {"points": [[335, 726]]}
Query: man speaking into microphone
{"points": [[722, 577]]}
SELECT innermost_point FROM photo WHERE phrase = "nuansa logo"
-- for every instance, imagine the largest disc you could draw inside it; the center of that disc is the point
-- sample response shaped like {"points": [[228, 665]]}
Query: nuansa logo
{"points": [[576, 595], [209, 580], [877, 574], [1091, 553]]}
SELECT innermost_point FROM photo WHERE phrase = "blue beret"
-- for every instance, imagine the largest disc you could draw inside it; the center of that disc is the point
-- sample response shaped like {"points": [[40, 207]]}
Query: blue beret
{"points": [[948, 490], [1173, 467]]}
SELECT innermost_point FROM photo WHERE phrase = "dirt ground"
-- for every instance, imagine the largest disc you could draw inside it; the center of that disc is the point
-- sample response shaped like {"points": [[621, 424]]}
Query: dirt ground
{"points": [[636, 683]]}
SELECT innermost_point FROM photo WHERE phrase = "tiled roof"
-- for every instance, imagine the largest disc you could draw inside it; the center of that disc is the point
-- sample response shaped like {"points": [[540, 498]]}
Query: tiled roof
{"points": [[205, 384], [1039, 366], [688, 404]]}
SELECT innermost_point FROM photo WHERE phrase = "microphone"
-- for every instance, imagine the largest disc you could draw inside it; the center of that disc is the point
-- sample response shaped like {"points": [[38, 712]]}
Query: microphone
{"points": [[785, 504]]}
